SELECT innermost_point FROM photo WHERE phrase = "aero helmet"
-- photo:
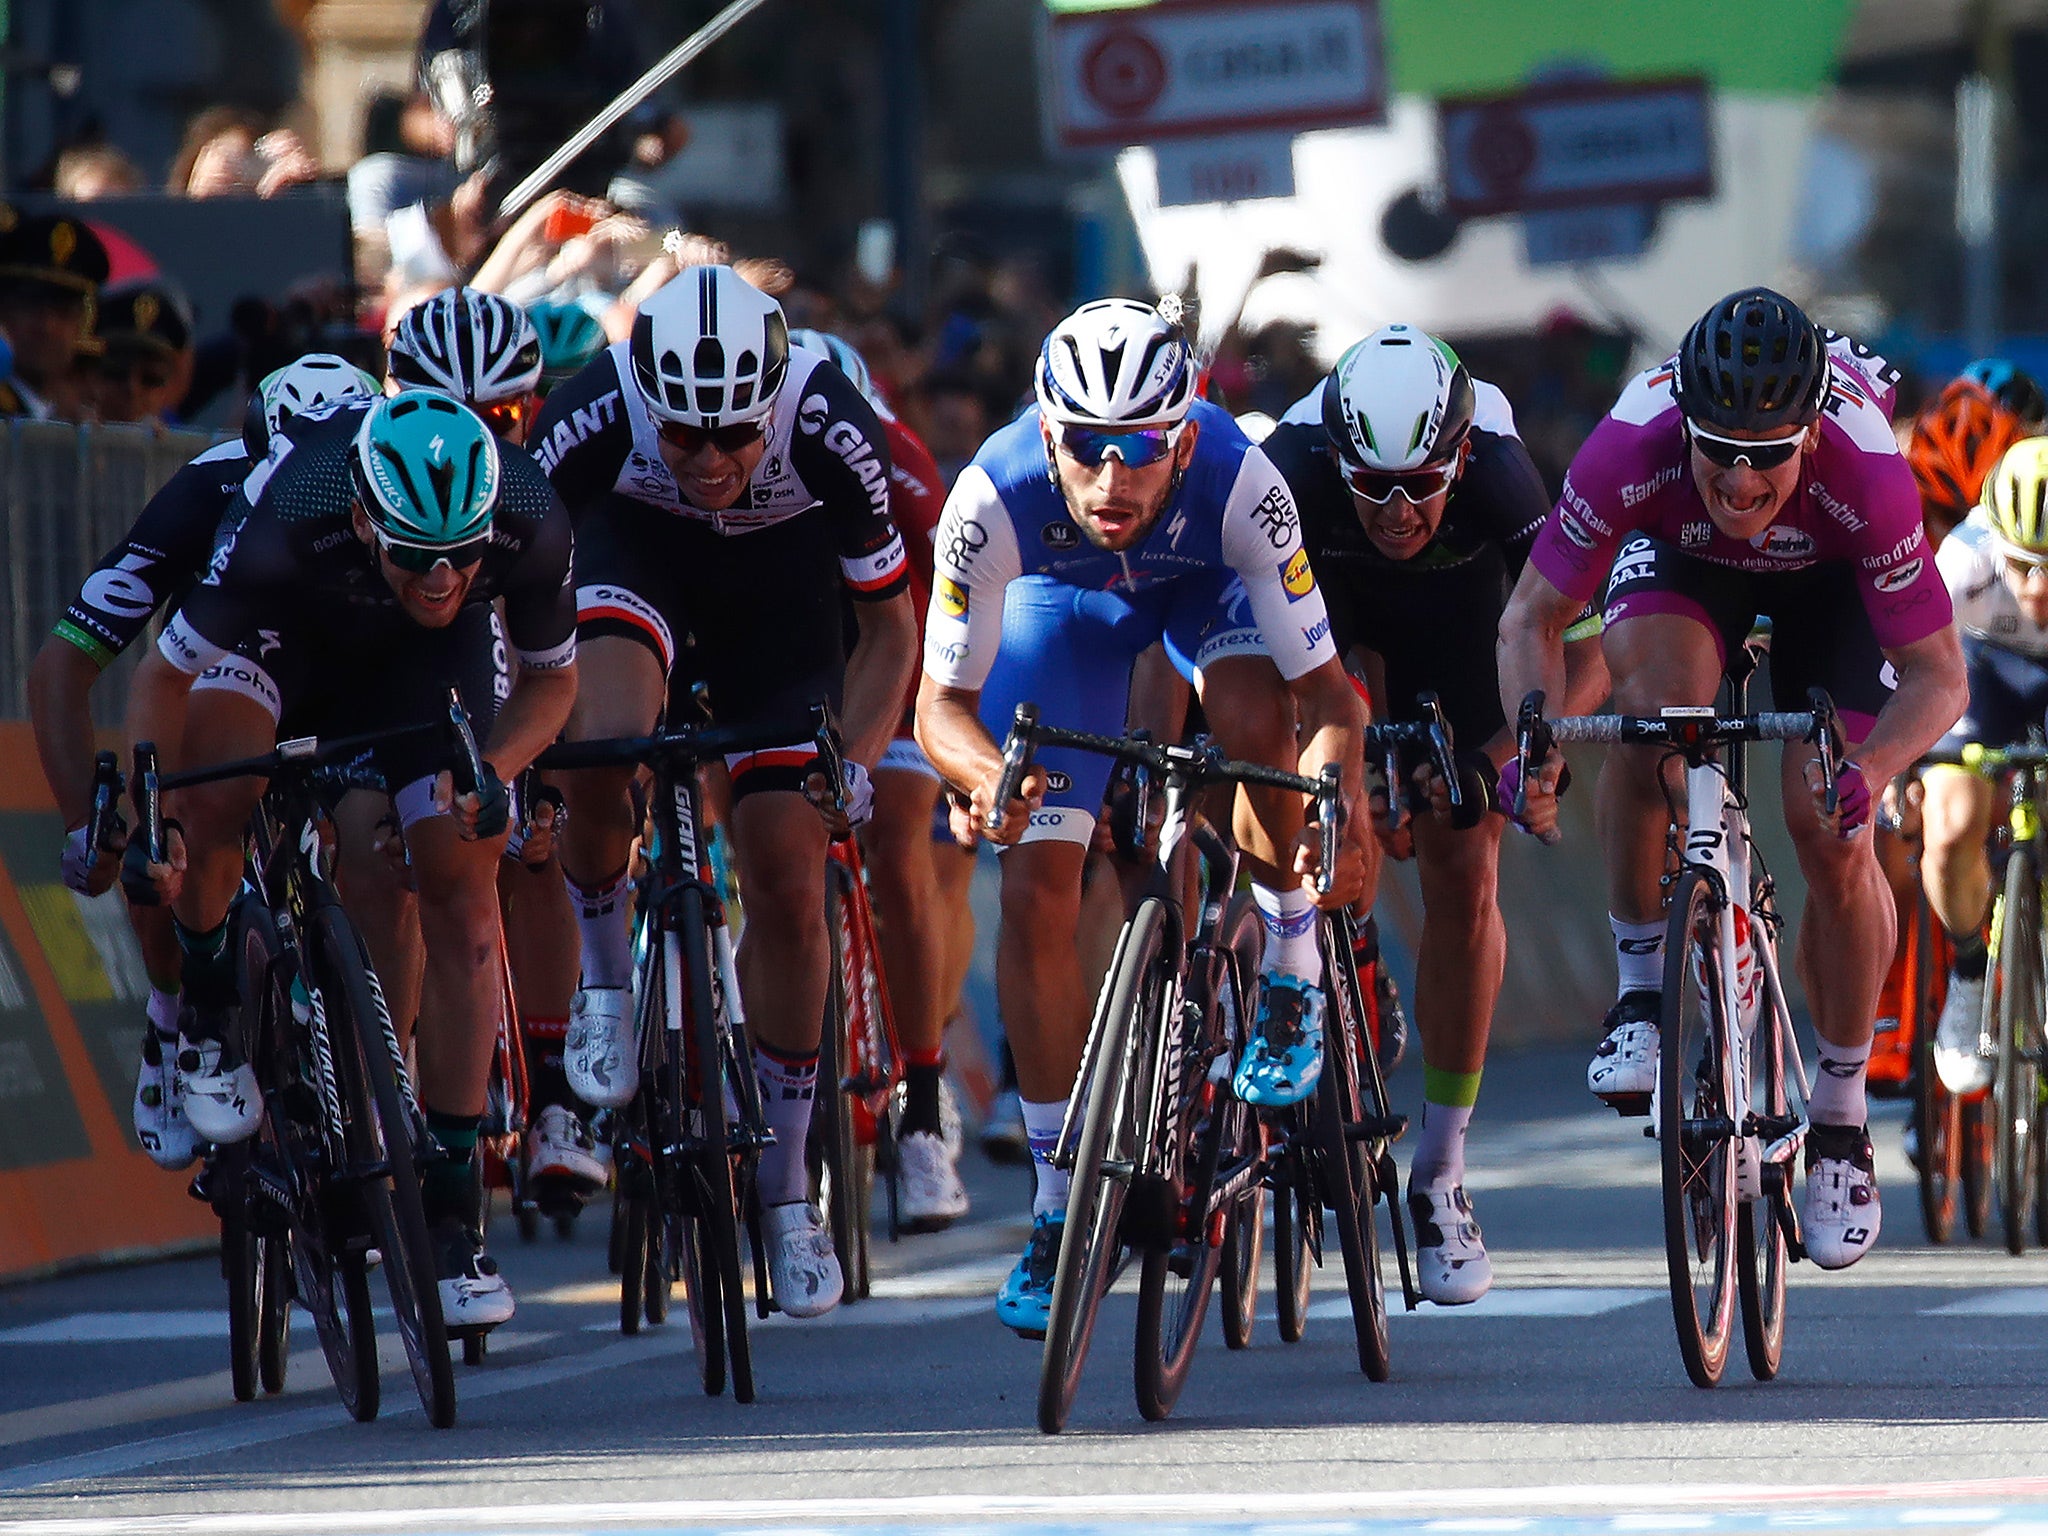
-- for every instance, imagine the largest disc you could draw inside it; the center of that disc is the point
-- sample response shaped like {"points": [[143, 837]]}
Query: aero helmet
{"points": [[318, 378], [709, 349], [570, 336], [1397, 401]]}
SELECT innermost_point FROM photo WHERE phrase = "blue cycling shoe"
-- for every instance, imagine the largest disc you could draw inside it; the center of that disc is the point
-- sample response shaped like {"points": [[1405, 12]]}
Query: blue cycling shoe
{"points": [[1025, 1301], [1284, 1057]]}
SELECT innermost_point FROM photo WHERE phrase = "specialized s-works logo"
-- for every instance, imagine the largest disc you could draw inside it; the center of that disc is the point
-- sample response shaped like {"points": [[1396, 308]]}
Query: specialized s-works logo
{"points": [[952, 598], [1297, 577]]}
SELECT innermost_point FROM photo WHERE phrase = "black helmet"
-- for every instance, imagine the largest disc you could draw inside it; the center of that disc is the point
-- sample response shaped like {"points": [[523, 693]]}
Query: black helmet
{"points": [[1751, 363]]}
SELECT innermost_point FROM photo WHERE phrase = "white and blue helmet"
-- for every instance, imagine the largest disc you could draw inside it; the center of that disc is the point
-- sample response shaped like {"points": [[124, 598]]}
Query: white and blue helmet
{"points": [[1115, 363]]}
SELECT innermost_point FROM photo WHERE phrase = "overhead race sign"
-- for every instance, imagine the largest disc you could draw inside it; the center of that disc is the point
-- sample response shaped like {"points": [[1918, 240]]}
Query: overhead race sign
{"points": [[1206, 68], [1581, 144], [1226, 170]]}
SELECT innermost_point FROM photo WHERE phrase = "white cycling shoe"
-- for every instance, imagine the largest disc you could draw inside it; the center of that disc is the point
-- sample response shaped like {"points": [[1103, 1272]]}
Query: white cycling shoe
{"points": [[1451, 1266], [1623, 1071], [930, 1196], [560, 1147], [600, 1057], [159, 1109], [1843, 1212], [1958, 1055], [474, 1296], [222, 1103], [803, 1271]]}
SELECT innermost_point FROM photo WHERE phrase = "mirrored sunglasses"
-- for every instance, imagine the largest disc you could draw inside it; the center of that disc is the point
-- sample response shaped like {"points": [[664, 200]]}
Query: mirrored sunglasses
{"points": [[1416, 485], [1740, 452], [421, 559], [689, 440], [505, 418], [1134, 450]]}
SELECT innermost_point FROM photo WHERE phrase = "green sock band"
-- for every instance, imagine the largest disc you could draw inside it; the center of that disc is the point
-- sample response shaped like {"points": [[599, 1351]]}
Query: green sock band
{"points": [[1451, 1090]]}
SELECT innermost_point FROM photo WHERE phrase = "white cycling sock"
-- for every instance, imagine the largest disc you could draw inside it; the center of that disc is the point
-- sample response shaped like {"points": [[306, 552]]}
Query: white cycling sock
{"points": [[788, 1085], [606, 935], [1042, 1124], [1290, 932], [163, 1012], [1838, 1097], [1440, 1147], [1638, 955]]}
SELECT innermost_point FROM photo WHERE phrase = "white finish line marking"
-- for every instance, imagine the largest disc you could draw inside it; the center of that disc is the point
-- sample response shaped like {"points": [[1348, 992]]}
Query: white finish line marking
{"points": [[2020, 1301]]}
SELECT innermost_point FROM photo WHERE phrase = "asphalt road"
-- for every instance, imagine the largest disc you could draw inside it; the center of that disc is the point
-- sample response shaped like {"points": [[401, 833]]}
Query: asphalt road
{"points": [[1913, 1394]]}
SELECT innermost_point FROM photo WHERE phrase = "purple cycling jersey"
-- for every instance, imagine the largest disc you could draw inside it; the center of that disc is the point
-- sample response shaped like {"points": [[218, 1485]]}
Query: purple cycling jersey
{"points": [[1857, 503]]}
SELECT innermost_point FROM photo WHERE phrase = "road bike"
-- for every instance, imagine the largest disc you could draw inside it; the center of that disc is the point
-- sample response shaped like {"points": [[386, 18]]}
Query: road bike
{"points": [[335, 1166], [686, 1148], [1728, 1110]]}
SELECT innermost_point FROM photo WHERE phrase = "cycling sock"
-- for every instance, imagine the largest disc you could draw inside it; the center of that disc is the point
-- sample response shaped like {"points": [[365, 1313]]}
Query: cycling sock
{"points": [[1638, 955], [1290, 918], [789, 1084], [1042, 1124], [209, 968], [1440, 1146], [607, 936], [1838, 1097], [163, 1012], [1972, 955], [448, 1184], [545, 1083], [922, 1071]]}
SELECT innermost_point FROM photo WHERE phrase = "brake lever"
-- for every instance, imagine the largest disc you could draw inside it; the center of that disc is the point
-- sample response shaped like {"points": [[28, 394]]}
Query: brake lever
{"points": [[825, 735], [106, 825], [1827, 735], [1441, 751], [147, 788], [468, 767], [1016, 761], [1329, 824]]}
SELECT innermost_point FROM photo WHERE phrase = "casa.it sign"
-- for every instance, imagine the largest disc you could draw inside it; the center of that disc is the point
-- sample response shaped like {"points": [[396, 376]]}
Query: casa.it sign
{"points": [[1204, 68], [1581, 144]]}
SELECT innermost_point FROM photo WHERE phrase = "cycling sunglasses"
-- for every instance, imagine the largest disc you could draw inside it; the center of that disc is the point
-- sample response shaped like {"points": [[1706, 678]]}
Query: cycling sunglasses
{"points": [[506, 418], [1134, 450], [690, 441], [421, 559], [1417, 485], [1738, 452]]}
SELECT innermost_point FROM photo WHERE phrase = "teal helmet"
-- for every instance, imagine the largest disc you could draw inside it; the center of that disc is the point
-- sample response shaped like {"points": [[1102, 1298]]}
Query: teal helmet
{"points": [[426, 471], [317, 379], [844, 358], [570, 336]]}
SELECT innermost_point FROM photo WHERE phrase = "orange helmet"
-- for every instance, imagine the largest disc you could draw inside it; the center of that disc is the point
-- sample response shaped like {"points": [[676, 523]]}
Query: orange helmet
{"points": [[1958, 438]]}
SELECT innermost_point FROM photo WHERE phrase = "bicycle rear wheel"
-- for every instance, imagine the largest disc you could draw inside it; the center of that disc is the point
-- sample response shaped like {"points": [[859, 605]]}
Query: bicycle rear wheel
{"points": [[2017, 1088], [1695, 1136], [1979, 1148], [1937, 1113], [1092, 1243], [1761, 1248], [720, 1211], [1351, 1168], [379, 1128], [1244, 1228], [1293, 1258], [274, 1315], [241, 1262], [1237, 1275]]}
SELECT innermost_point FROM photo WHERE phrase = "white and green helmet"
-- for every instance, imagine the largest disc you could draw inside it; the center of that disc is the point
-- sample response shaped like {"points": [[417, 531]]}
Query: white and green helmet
{"points": [[426, 470], [317, 379], [1399, 400]]}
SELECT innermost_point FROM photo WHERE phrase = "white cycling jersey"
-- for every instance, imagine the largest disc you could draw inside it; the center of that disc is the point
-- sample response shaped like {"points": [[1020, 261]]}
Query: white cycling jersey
{"points": [[1986, 609]]}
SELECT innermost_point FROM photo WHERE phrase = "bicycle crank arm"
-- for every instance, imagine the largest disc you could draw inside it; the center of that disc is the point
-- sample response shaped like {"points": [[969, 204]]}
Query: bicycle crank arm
{"points": [[1390, 1181]]}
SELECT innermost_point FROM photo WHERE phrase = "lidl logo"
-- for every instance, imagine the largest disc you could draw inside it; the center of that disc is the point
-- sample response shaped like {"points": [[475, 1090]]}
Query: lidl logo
{"points": [[1296, 576], [952, 598]]}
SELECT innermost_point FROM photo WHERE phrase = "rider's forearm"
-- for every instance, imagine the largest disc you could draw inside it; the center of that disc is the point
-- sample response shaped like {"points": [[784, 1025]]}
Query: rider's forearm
{"points": [[1333, 720], [950, 731], [1931, 694], [59, 681], [878, 674], [530, 720]]}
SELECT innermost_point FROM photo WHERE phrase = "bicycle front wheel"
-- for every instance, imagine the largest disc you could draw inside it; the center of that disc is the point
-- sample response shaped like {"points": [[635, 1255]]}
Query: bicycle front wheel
{"points": [[1937, 1113], [1093, 1241], [842, 1193], [380, 1135], [1761, 1246], [1293, 1257], [1352, 1165], [2016, 940], [1696, 1135]]}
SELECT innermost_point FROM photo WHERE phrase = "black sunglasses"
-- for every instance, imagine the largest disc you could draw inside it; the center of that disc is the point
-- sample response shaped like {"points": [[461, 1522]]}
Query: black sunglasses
{"points": [[692, 440]]}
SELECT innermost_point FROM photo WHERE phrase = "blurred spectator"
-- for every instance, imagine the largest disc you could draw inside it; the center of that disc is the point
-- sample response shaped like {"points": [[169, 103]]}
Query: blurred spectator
{"points": [[146, 367], [51, 269], [956, 420], [565, 246], [407, 149], [88, 172], [226, 153]]}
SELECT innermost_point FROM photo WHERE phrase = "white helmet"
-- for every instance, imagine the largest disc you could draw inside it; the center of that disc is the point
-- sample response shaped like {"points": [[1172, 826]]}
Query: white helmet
{"points": [[843, 357], [478, 348], [709, 349], [1115, 363], [1396, 401], [318, 378]]}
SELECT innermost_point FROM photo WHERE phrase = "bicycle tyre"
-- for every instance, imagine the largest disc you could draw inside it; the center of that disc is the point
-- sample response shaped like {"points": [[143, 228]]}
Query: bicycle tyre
{"points": [[1762, 1253], [1293, 1261], [380, 1131], [1698, 1164], [1980, 1182], [1092, 1239], [274, 1316], [1244, 1229], [1351, 1173], [633, 1223], [721, 1214], [833, 1144], [2017, 1088], [241, 1261], [1937, 1113]]}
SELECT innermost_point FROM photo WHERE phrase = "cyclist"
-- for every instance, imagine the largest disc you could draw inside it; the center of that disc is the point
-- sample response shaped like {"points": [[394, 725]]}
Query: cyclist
{"points": [[570, 336], [903, 864], [2012, 387], [1996, 567], [149, 571], [483, 351], [727, 491], [1754, 473], [368, 548], [1418, 507], [1116, 510]]}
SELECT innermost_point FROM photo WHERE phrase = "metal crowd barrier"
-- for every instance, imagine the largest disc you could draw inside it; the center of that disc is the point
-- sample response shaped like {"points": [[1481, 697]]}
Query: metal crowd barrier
{"points": [[69, 494]]}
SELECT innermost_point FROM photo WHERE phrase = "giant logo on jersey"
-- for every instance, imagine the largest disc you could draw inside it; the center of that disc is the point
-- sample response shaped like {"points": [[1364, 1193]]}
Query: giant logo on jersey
{"points": [[1297, 577]]}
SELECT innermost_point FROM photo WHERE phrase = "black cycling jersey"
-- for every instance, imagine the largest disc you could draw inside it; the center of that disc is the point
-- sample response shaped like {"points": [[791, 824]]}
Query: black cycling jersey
{"points": [[288, 549], [161, 558], [825, 449]]}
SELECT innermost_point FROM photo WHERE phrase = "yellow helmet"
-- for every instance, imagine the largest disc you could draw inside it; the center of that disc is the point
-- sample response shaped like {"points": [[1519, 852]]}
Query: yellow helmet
{"points": [[2015, 499]]}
